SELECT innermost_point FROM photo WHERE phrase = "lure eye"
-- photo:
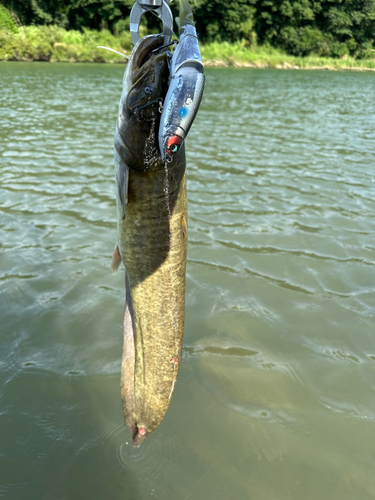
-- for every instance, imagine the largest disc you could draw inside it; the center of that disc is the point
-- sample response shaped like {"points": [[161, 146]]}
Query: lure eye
{"points": [[174, 144]]}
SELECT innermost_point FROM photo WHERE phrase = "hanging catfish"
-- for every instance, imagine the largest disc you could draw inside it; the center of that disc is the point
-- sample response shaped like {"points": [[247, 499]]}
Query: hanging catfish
{"points": [[152, 236]]}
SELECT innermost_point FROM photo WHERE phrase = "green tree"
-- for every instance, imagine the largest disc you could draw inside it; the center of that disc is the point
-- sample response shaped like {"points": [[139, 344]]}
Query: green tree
{"points": [[97, 14], [40, 11], [7, 22], [351, 23], [224, 20], [301, 27]]}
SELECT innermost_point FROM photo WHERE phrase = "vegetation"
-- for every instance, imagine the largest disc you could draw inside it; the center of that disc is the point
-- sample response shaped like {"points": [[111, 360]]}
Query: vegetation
{"points": [[7, 22], [333, 28], [51, 43], [265, 56]]}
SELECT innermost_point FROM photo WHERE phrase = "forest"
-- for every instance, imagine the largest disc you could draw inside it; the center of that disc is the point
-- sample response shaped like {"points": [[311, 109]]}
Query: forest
{"points": [[329, 28]]}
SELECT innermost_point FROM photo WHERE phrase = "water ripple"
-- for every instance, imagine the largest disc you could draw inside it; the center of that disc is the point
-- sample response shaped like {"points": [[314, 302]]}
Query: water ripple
{"points": [[280, 298]]}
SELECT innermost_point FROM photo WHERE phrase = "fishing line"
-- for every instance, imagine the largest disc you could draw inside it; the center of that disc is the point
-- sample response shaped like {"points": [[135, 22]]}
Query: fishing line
{"points": [[112, 50], [164, 23], [173, 42]]}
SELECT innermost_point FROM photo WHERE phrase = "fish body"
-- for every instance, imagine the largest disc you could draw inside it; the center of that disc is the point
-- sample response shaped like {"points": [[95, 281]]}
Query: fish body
{"points": [[185, 88], [152, 242]]}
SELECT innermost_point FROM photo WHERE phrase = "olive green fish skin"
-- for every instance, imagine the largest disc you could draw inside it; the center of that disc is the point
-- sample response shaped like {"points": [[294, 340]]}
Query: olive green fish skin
{"points": [[152, 243]]}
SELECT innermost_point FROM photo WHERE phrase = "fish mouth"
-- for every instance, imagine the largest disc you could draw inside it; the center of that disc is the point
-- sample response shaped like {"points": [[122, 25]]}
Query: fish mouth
{"points": [[144, 48], [143, 74]]}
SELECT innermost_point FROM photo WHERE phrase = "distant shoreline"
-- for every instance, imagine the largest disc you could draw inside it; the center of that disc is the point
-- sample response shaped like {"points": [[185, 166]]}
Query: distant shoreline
{"points": [[224, 64], [285, 65], [54, 44]]}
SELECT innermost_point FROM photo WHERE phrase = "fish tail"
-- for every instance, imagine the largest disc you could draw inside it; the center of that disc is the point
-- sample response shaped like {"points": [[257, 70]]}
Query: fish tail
{"points": [[139, 437]]}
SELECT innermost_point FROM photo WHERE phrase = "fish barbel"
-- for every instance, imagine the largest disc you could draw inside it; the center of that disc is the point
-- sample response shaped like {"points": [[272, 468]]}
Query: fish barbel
{"points": [[152, 242]]}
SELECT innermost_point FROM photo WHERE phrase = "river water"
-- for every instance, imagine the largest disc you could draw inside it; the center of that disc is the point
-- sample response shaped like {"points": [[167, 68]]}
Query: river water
{"points": [[275, 396]]}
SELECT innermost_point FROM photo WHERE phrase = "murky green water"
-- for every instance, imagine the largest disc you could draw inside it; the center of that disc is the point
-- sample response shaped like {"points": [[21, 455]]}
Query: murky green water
{"points": [[275, 398]]}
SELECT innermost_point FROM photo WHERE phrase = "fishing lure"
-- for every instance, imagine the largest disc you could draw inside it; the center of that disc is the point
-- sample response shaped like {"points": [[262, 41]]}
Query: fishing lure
{"points": [[185, 88], [186, 82]]}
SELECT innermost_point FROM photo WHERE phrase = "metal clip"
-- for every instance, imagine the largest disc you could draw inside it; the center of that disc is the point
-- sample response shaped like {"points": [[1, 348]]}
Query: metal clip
{"points": [[162, 11]]}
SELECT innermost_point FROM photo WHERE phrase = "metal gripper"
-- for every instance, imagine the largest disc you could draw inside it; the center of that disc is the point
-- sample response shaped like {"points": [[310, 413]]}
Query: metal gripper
{"points": [[161, 9]]}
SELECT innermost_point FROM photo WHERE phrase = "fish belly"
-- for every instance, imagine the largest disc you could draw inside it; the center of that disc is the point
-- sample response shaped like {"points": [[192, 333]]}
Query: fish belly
{"points": [[153, 244]]}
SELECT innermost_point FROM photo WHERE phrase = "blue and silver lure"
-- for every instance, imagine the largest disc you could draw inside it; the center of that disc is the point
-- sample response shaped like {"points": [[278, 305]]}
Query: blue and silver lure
{"points": [[185, 88]]}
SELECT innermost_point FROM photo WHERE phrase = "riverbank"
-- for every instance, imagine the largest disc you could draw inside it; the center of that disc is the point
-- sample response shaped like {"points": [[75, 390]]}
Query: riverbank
{"points": [[54, 44], [238, 55]]}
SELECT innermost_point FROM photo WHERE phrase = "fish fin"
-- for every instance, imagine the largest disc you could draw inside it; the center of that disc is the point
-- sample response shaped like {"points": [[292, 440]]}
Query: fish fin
{"points": [[122, 181], [116, 259], [183, 226], [128, 363]]}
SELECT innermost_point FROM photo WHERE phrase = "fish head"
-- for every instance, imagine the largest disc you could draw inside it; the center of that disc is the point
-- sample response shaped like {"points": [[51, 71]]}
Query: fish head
{"points": [[144, 88], [149, 75]]}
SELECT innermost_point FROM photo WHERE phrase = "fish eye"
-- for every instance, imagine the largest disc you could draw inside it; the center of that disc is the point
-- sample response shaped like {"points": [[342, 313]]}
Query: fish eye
{"points": [[148, 89], [174, 148]]}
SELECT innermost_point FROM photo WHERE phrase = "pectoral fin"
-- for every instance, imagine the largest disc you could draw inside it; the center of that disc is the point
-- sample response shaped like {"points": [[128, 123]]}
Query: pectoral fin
{"points": [[116, 259], [122, 181]]}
